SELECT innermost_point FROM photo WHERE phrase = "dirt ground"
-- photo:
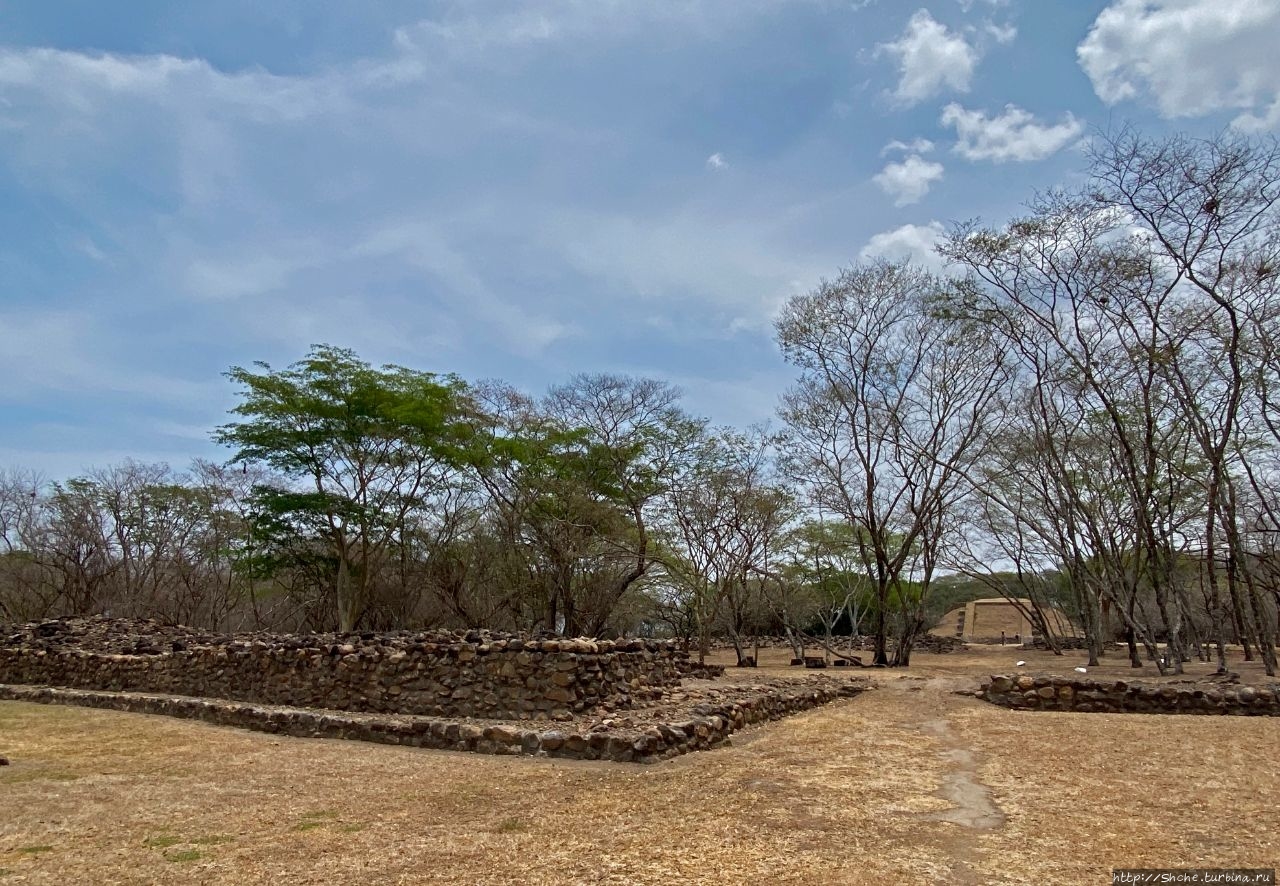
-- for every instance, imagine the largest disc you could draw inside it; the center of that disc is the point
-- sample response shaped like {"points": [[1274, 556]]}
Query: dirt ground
{"points": [[911, 783]]}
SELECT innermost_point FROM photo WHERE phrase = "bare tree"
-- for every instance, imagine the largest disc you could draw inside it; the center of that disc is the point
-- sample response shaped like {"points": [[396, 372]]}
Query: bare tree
{"points": [[722, 524], [895, 401], [1210, 209]]}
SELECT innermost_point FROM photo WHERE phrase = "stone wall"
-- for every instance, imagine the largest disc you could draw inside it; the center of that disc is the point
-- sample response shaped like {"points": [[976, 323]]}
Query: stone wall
{"points": [[1064, 643], [865, 643], [1048, 693], [706, 726], [435, 673]]}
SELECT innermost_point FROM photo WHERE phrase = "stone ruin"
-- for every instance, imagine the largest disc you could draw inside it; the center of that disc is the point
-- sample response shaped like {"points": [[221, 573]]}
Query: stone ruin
{"points": [[1206, 696], [931, 643], [436, 673], [549, 697]]}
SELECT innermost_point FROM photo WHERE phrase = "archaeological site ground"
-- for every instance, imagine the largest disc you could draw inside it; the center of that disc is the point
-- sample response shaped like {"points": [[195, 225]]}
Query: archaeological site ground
{"points": [[494, 759]]}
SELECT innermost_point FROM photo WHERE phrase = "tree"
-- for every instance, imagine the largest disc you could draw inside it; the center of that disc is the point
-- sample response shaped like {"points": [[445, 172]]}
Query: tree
{"points": [[366, 446], [636, 438], [1090, 470], [575, 480], [1211, 210], [823, 556], [1138, 312], [723, 524], [895, 400], [25, 591]]}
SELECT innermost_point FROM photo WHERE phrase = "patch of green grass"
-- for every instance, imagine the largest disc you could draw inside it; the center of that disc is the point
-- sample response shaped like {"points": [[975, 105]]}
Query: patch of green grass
{"points": [[212, 840], [313, 820], [34, 850], [164, 841], [4, 872], [512, 826], [21, 776], [352, 828]]}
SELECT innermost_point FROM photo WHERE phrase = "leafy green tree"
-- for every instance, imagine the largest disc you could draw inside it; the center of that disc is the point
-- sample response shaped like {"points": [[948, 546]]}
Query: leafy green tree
{"points": [[365, 446], [823, 557], [576, 479]]}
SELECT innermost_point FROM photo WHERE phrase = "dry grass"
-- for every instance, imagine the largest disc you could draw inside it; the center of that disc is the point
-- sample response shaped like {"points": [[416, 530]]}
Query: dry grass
{"points": [[839, 795]]}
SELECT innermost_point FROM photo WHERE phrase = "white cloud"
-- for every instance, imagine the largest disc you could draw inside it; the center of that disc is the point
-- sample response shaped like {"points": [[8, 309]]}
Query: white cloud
{"points": [[86, 245], [427, 246], [931, 58], [915, 146], [1190, 57], [909, 180], [1013, 135], [732, 273], [475, 36], [717, 161], [741, 398], [191, 125], [244, 214], [914, 242], [1002, 34], [490, 30], [81, 83]]}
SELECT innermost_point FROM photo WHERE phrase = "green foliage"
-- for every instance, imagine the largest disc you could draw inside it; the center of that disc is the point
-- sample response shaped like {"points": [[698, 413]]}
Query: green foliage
{"points": [[367, 445], [332, 410]]}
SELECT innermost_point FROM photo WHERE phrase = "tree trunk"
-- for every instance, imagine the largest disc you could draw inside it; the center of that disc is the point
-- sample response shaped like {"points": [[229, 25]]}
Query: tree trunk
{"points": [[881, 655], [345, 592]]}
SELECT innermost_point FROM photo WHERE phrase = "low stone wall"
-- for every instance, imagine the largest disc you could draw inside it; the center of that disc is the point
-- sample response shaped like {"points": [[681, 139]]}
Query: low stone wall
{"points": [[864, 643], [696, 671], [937, 645], [432, 674], [1049, 693], [763, 641], [709, 725], [1073, 643]]}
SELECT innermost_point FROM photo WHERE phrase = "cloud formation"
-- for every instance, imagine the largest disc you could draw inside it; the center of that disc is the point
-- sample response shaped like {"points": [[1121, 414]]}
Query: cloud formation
{"points": [[931, 59], [1014, 135], [505, 188], [908, 180], [1189, 57], [915, 146], [912, 242]]}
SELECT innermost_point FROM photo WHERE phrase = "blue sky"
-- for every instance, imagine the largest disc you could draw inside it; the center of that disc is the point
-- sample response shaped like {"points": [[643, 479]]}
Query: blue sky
{"points": [[522, 190]]}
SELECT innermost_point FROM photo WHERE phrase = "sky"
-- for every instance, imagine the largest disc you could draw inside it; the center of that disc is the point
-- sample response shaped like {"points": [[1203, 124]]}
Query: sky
{"points": [[523, 190]]}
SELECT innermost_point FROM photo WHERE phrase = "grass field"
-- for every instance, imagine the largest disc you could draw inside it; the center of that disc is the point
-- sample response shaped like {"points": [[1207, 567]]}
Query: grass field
{"points": [[911, 783]]}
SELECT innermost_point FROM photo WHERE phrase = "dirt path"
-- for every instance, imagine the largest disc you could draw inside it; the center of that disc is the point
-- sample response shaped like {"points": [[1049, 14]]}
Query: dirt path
{"points": [[970, 804], [973, 805]]}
